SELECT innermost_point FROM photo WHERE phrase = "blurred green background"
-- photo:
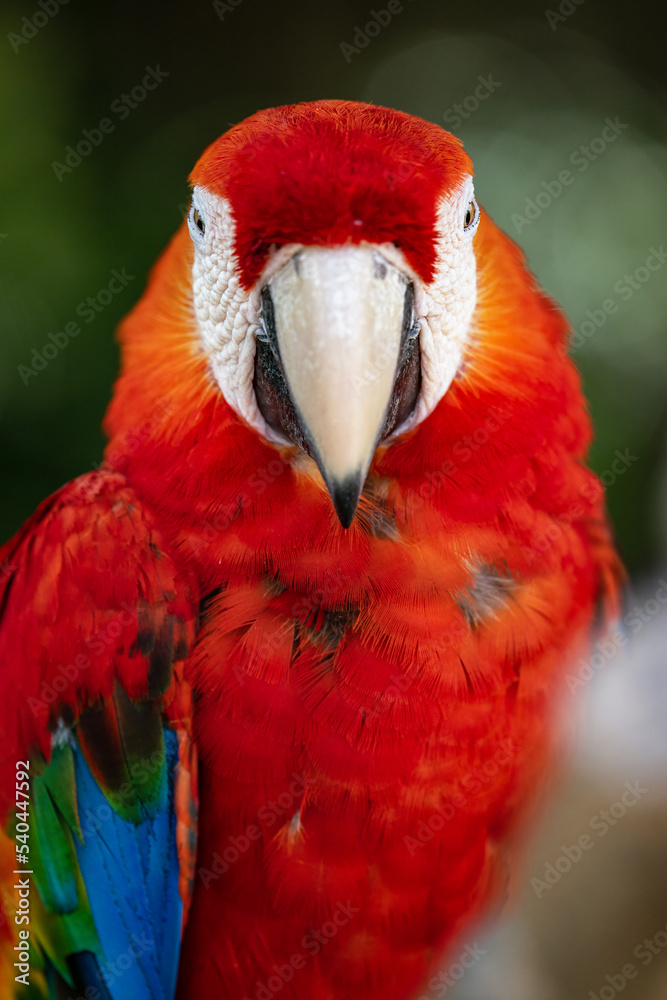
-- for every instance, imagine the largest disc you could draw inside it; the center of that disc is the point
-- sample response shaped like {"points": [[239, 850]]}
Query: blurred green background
{"points": [[553, 76]]}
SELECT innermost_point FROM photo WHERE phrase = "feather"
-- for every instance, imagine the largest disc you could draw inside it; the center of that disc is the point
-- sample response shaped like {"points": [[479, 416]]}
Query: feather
{"points": [[366, 714], [131, 872]]}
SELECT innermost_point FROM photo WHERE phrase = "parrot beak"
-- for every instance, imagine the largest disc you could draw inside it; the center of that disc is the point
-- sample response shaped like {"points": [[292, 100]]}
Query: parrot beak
{"points": [[337, 320]]}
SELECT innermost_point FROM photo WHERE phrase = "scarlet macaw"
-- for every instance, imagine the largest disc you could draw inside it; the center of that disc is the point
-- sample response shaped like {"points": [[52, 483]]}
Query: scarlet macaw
{"points": [[279, 675]]}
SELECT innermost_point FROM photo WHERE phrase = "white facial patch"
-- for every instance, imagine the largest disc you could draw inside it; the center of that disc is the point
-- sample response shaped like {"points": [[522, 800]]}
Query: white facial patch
{"points": [[228, 316], [227, 322], [446, 306]]}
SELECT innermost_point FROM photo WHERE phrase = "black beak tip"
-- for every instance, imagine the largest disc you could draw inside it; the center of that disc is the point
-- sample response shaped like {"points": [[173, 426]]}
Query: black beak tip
{"points": [[345, 495]]}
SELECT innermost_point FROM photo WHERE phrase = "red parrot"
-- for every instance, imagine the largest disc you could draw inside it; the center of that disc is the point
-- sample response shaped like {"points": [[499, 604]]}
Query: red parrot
{"points": [[278, 679]]}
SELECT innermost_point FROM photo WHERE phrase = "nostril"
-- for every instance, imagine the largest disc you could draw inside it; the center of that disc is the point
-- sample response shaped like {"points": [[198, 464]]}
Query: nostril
{"points": [[379, 267]]}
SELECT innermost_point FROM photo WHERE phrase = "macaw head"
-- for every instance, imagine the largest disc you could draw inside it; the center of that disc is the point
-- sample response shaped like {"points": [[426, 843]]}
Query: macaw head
{"points": [[334, 277], [337, 314]]}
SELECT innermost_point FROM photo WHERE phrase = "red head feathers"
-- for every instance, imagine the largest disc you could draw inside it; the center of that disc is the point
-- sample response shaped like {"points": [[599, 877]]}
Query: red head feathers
{"points": [[332, 172]]}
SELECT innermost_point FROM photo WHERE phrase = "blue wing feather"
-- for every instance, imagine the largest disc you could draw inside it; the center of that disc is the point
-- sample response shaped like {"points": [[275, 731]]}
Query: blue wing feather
{"points": [[131, 876]]}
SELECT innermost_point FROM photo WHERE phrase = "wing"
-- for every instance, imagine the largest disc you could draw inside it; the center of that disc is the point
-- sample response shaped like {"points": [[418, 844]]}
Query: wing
{"points": [[97, 774]]}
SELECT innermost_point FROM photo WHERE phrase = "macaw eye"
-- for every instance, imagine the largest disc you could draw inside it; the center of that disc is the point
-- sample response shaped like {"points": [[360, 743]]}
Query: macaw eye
{"points": [[470, 216], [196, 225]]}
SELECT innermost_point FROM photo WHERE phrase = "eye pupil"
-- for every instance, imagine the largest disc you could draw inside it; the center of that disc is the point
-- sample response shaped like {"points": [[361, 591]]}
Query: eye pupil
{"points": [[470, 215], [199, 222]]}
